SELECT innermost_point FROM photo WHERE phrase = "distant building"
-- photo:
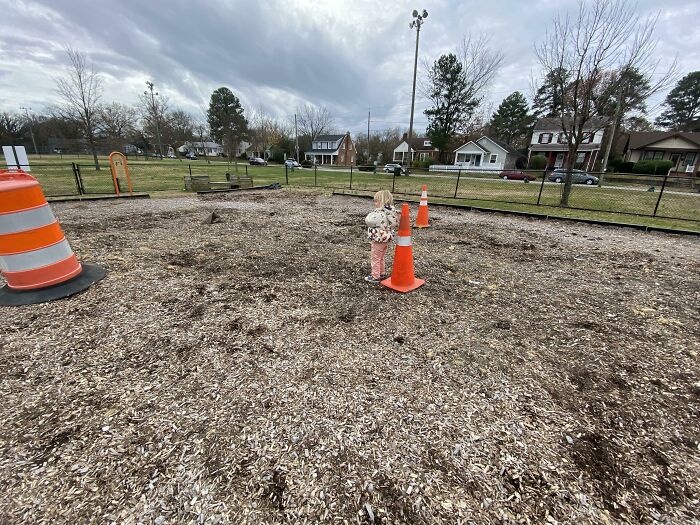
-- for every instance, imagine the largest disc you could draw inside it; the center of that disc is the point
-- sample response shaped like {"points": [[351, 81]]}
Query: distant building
{"points": [[682, 148], [333, 150], [549, 140], [487, 154], [202, 149], [421, 149]]}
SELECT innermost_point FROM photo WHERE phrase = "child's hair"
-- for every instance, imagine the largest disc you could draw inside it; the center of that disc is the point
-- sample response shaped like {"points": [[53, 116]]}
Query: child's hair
{"points": [[384, 198]]}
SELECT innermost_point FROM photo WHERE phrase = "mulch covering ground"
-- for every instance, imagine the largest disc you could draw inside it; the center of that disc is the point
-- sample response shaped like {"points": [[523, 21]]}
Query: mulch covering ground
{"points": [[243, 372]]}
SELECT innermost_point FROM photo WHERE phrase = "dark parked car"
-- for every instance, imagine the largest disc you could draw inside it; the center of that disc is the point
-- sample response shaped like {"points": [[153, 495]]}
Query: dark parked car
{"points": [[577, 177], [257, 161], [191, 155], [516, 175]]}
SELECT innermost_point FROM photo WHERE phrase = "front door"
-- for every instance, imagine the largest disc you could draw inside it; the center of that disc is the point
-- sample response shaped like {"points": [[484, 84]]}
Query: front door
{"points": [[675, 157], [559, 162]]}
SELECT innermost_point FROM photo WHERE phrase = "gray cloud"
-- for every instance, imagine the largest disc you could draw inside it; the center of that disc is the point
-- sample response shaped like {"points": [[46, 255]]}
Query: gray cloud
{"points": [[278, 54]]}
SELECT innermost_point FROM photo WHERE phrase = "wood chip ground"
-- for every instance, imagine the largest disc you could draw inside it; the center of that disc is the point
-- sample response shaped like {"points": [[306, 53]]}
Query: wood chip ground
{"points": [[244, 372]]}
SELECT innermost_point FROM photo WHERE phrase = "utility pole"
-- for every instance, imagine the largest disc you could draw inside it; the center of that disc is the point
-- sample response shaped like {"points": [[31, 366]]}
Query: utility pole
{"points": [[156, 116], [31, 131], [613, 129], [417, 23], [296, 134], [368, 117]]}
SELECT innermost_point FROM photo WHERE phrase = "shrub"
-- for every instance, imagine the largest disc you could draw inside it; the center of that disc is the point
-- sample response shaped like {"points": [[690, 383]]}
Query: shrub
{"points": [[652, 167], [620, 166], [306, 163], [537, 162]]}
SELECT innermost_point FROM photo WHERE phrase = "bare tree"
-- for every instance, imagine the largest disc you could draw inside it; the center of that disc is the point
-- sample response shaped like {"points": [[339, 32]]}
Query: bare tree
{"points": [[266, 131], [154, 108], [480, 63], [605, 36], [81, 91], [314, 121], [117, 120]]}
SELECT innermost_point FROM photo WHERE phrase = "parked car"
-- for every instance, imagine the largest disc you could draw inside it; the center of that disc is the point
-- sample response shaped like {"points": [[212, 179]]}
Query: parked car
{"points": [[172, 156], [191, 155], [577, 177], [389, 168], [516, 175], [292, 163], [257, 161]]}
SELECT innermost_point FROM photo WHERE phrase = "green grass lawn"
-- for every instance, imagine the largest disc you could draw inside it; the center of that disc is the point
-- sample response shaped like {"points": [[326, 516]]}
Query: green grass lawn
{"points": [[676, 209]]}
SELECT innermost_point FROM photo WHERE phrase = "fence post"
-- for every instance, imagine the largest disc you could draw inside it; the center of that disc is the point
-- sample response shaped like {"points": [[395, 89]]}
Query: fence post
{"points": [[544, 176], [189, 167], [78, 182], [459, 175], [661, 192], [246, 170], [80, 179], [351, 176], [315, 176], [393, 183], [286, 174]]}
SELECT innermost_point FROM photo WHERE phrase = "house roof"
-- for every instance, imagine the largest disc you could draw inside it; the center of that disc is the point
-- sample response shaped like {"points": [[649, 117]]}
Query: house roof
{"points": [[417, 143], [322, 151], [207, 144], [328, 138], [554, 123], [641, 139], [507, 147], [472, 142]]}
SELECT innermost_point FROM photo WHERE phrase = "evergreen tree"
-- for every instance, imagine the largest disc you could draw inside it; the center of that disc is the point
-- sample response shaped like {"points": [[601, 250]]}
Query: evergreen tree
{"points": [[511, 122], [226, 120], [549, 97], [682, 104], [452, 104]]}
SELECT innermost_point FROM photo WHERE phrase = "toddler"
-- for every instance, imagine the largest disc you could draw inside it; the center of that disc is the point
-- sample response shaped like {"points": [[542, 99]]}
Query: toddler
{"points": [[381, 228]]}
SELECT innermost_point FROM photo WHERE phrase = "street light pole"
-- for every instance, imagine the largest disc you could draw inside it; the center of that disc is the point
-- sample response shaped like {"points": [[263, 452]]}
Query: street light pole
{"points": [[419, 20], [154, 109], [31, 131]]}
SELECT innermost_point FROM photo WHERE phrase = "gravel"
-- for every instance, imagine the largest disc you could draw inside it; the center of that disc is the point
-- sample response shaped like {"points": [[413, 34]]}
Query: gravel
{"points": [[244, 372]]}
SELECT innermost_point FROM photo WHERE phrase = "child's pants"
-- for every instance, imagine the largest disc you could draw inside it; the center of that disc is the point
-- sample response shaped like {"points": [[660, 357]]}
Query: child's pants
{"points": [[377, 258]]}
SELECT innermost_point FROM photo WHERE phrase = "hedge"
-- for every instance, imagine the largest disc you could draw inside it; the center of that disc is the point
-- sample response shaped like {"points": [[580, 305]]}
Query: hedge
{"points": [[652, 167]]}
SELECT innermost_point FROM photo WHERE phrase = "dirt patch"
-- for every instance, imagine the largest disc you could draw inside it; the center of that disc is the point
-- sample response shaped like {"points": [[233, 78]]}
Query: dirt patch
{"points": [[244, 372]]}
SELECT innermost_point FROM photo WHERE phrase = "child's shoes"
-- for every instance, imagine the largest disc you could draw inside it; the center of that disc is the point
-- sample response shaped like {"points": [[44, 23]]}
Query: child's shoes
{"points": [[371, 280]]}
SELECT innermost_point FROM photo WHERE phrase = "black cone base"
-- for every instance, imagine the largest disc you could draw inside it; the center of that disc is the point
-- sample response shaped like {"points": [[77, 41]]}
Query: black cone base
{"points": [[90, 275]]}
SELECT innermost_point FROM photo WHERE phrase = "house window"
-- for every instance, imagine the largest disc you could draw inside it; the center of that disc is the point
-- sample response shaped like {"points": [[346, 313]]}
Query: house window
{"points": [[653, 155], [427, 143], [493, 159], [561, 139], [545, 138], [587, 137], [461, 157], [689, 159]]}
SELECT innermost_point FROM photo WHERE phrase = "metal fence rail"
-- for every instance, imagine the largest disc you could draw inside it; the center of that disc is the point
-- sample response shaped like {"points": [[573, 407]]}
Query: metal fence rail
{"points": [[668, 197]]}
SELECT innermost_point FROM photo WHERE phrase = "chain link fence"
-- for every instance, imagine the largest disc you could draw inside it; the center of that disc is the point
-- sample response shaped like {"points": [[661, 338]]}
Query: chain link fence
{"points": [[668, 196]]}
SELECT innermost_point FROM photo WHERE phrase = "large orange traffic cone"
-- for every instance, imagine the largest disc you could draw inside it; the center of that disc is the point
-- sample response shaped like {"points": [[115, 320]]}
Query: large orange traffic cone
{"points": [[35, 258], [402, 277], [422, 218]]}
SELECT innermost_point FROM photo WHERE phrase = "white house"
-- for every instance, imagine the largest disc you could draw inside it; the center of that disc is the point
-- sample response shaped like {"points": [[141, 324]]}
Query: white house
{"points": [[202, 149], [549, 140], [681, 148], [421, 149], [483, 154], [332, 149]]}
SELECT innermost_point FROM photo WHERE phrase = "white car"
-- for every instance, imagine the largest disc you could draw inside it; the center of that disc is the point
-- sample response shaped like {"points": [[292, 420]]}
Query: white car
{"points": [[291, 163], [389, 168]]}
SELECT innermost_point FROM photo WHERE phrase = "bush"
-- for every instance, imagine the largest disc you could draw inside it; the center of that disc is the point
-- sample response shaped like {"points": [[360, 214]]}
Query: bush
{"points": [[306, 163], [652, 167], [538, 162], [620, 166], [365, 168], [424, 164]]}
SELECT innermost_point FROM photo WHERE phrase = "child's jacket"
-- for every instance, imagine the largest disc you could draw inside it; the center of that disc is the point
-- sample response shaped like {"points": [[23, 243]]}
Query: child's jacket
{"points": [[381, 224]]}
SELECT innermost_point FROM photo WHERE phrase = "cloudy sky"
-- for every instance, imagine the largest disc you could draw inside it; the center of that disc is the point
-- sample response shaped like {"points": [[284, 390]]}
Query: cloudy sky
{"points": [[346, 55]]}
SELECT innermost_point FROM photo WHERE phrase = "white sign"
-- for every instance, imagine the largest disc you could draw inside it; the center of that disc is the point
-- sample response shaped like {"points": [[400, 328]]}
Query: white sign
{"points": [[16, 157]]}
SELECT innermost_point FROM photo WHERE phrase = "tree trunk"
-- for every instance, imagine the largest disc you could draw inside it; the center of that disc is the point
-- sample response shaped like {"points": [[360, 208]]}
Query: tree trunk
{"points": [[568, 179], [93, 148]]}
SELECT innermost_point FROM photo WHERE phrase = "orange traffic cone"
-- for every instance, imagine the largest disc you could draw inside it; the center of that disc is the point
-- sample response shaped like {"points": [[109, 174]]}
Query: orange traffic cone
{"points": [[35, 258], [402, 277], [422, 218]]}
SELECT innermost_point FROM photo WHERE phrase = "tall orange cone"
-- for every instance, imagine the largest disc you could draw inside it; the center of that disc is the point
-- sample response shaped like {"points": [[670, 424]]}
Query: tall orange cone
{"points": [[422, 218], [402, 277]]}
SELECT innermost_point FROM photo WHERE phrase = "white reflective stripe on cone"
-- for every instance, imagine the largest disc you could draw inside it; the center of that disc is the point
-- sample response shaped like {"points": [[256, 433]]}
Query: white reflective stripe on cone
{"points": [[424, 195], [423, 203], [20, 221], [20, 262], [403, 240]]}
